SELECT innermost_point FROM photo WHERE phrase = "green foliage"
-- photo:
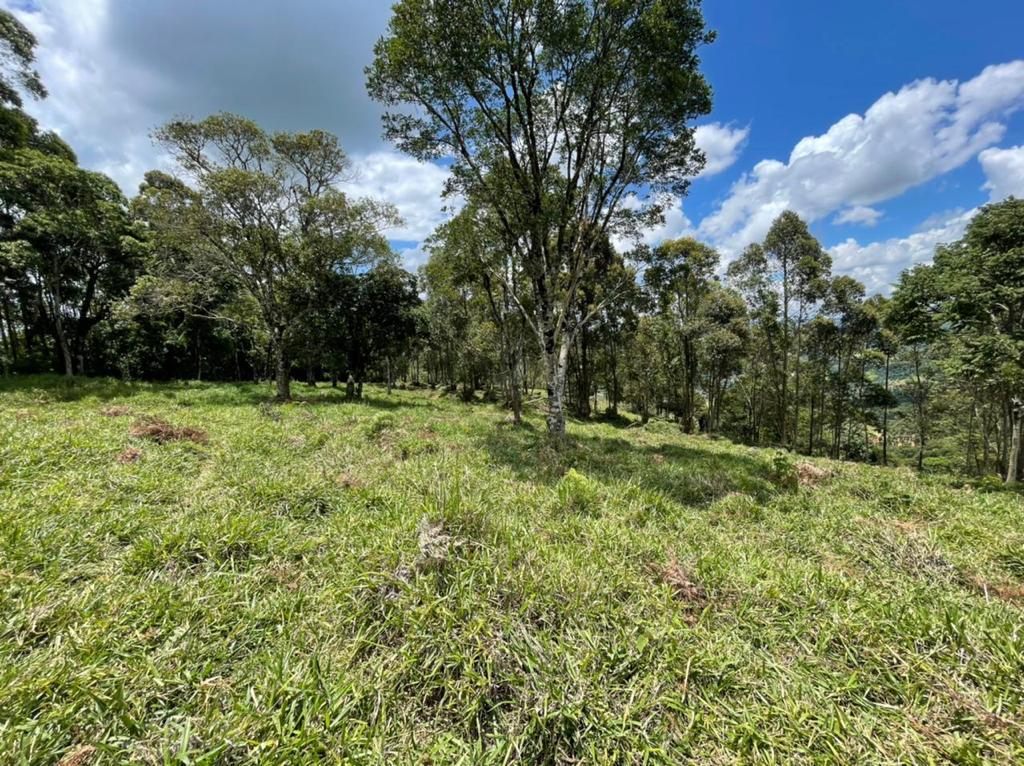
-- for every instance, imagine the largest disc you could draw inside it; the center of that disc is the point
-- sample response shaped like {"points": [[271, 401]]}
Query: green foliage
{"points": [[17, 54], [523, 103], [266, 218], [782, 471], [578, 493]]}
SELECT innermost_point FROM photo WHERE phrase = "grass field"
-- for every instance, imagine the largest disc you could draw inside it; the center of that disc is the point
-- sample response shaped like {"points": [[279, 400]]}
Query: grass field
{"points": [[410, 579]]}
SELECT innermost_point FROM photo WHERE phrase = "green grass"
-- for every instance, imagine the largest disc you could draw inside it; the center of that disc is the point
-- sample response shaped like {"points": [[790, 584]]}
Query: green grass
{"points": [[410, 579]]}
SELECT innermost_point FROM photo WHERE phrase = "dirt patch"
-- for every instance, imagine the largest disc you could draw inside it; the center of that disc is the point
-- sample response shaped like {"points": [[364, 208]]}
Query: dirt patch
{"points": [[82, 755], [1012, 593], [810, 475], [116, 411], [129, 456], [160, 431], [687, 590]]}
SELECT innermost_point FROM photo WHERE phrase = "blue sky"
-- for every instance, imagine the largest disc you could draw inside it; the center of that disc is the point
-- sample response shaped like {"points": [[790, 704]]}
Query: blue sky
{"points": [[885, 124], [792, 68]]}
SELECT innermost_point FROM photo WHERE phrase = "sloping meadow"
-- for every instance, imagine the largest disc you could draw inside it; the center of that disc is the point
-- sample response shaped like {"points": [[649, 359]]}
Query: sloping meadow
{"points": [[189, 574]]}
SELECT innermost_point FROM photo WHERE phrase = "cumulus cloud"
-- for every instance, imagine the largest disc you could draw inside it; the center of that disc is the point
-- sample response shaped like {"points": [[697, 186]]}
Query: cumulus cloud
{"points": [[861, 214], [721, 145], [117, 69], [1004, 171], [414, 187], [878, 264], [904, 139]]}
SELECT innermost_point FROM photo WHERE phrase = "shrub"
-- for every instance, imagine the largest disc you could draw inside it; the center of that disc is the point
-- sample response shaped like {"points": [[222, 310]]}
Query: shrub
{"points": [[578, 493]]}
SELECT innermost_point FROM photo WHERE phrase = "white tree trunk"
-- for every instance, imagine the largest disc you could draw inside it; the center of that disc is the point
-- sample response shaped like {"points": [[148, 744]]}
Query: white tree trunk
{"points": [[1016, 436], [555, 367]]}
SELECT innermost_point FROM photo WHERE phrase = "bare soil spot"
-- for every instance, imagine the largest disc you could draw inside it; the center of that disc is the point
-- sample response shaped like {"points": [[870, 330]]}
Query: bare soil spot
{"points": [[687, 590], [1003, 592], [160, 431], [129, 456]]}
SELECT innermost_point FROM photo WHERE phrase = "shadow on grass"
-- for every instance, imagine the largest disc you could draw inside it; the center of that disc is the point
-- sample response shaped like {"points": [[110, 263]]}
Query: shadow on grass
{"points": [[688, 475], [214, 394]]}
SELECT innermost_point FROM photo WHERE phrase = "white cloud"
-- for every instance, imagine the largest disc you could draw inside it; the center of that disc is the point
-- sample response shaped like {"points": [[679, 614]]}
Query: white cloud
{"points": [[1004, 169], [878, 264], [413, 187], [116, 71], [721, 145], [861, 214], [927, 128], [414, 257]]}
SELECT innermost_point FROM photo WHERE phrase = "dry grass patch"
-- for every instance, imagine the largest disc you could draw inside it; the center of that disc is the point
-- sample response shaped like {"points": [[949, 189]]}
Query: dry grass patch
{"points": [[82, 755], [160, 431], [129, 455], [810, 475], [686, 588]]}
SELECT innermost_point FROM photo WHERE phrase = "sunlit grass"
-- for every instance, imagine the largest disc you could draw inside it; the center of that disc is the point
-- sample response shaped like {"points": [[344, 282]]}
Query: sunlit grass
{"points": [[411, 579]]}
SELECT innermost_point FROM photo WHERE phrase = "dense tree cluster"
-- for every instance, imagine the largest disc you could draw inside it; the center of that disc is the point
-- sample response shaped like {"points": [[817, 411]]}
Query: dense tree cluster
{"points": [[569, 124]]}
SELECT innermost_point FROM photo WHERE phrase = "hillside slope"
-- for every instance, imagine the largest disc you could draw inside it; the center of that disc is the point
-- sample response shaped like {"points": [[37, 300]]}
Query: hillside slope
{"points": [[410, 579]]}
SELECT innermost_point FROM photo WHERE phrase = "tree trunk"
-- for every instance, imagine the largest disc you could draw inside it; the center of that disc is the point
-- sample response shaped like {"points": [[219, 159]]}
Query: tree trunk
{"points": [[885, 417], [920, 410], [1013, 460], [555, 367], [12, 335], [515, 392], [62, 343], [282, 373], [387, 365], [810, 427]]}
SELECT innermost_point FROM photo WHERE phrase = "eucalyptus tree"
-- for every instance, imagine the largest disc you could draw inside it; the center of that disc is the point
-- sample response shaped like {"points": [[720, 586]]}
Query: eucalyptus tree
{"points": [[560, 115], [264, 212], [855, 325], [681, 274], [722, 345], [800, 270], [977, 293], [751, 276]]}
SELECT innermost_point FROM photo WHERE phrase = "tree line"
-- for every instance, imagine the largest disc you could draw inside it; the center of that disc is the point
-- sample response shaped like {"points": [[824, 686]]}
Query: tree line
{"points": [[569, 127]]}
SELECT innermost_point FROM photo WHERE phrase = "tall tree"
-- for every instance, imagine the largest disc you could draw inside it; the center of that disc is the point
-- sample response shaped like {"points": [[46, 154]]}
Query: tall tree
{"points": [[72, 229], [265, 212], [979, 291], [17, 55], [554, 112], [800, 272], [681, 274]]}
